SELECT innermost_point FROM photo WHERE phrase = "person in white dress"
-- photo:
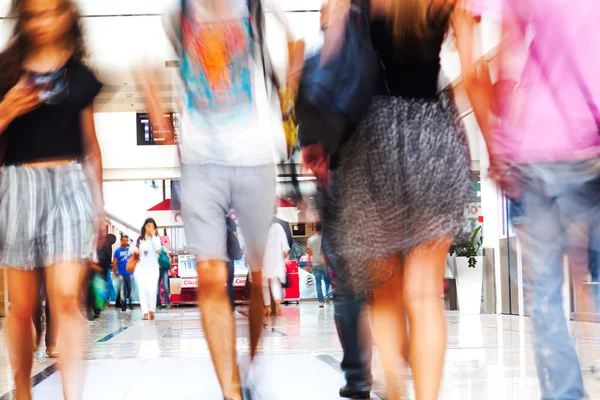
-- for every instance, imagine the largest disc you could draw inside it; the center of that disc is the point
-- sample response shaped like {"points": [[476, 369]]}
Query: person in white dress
{"points": [[274, 271]]}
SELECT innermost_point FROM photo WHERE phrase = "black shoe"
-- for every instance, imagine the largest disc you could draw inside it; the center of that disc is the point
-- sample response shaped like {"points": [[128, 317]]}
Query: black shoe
{"points": [[246, 394], [355, 392], [123, 309]]}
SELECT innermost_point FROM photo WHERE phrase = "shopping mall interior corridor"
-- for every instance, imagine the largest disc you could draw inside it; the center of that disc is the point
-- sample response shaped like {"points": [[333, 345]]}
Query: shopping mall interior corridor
{"points": [[488, 357]]}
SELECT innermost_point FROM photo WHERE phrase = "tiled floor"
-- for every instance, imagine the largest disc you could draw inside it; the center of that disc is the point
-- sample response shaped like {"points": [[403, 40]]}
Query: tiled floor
{"points": [[489, 357]]}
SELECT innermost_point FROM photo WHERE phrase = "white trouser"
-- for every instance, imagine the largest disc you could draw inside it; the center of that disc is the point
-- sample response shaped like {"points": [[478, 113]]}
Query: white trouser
{"points": [[274, 284], [147, 282]]}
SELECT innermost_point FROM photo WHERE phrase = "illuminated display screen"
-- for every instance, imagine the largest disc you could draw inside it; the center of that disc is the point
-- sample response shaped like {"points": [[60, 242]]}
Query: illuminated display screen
{"points": [[146, 135]]}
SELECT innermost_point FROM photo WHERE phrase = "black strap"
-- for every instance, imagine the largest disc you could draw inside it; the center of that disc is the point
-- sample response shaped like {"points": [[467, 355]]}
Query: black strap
{"points": [[256, 31]]}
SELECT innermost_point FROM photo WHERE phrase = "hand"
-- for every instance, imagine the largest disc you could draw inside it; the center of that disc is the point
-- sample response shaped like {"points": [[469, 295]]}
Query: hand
{"points": [[315, 159], [21, 99]]}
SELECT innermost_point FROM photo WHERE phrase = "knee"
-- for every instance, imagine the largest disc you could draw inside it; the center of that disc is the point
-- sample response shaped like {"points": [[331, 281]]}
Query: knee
{"points": [[65, 304], [22, 311], [212, 276], [417, 298]]}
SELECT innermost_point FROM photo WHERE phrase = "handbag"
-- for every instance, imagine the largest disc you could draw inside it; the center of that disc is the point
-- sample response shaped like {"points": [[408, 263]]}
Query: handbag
{"points": [[164, 261], [333, 98]]}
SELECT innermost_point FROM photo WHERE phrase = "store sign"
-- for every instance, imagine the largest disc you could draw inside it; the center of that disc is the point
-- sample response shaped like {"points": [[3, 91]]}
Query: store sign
{"points": [[189, 283], [239, 281]]}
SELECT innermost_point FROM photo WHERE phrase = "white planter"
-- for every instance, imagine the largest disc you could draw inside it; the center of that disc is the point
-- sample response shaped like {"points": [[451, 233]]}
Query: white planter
{"points": [[469, 283]]}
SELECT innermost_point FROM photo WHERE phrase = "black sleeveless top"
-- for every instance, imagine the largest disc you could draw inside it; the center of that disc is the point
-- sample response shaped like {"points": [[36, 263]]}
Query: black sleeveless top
{"points": [[412, 66]]}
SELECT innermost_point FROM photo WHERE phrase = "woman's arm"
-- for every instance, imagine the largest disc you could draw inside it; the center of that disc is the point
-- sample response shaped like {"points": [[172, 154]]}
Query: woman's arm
{"points": [[475, 72], [93, 161]]}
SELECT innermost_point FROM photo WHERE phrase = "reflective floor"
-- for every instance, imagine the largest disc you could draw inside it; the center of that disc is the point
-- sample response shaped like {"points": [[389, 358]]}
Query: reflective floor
{"points": [[489, 357]]}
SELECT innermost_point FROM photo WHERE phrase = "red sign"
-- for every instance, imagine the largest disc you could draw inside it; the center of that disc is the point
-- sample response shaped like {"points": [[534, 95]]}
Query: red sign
{"points": [[239, 281], [189, 283]]}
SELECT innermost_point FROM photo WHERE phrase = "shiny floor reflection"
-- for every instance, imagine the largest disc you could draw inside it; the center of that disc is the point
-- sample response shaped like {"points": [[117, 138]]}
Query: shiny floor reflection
{"points": [[488, 357]]}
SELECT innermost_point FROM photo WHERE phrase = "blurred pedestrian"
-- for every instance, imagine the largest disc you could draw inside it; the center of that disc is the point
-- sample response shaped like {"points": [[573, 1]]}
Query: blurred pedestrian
{"points": [[395, 172], [546, 161], [351, 319], [51, 207], [230, 121]]}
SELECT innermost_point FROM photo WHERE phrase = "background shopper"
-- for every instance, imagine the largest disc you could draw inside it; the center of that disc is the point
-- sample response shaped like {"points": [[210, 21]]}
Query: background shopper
{"points": [[147, 270], [126, 288], [274, 270], [317, 265], [163, 281]]}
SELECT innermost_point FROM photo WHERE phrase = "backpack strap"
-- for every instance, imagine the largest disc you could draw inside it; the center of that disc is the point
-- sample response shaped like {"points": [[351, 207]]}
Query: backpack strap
{"points": [[257, 23]]}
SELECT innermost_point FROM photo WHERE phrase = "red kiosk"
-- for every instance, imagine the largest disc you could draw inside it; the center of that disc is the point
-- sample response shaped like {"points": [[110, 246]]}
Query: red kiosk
{"points": [[184, 277]]}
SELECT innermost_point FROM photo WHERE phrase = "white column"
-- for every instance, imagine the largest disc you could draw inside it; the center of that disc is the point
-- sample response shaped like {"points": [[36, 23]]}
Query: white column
{"points": [[491, 203]]}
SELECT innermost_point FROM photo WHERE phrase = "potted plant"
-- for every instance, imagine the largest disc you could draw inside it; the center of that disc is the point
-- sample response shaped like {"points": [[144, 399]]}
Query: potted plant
{"points": [[469, 271]]}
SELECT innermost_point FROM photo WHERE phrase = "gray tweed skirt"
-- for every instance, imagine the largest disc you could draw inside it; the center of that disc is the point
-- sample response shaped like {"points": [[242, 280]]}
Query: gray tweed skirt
{"points": [[404, 181]]}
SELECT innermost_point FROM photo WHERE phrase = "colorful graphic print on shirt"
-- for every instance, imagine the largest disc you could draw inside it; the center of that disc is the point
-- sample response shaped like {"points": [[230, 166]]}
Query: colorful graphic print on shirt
{"points": [[216, 66]]}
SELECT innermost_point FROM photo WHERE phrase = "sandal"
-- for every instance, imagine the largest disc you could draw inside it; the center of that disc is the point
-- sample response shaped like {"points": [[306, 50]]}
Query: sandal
{"points": [[145, 317], [51, 352], [151, 316]]}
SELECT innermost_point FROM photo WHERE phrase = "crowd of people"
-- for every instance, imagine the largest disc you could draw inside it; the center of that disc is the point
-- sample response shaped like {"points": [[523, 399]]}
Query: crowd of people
{"points": [[403, 166]]}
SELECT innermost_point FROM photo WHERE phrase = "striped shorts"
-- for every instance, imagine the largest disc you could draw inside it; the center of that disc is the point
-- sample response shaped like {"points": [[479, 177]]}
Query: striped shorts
{"points": [[45, 216]]}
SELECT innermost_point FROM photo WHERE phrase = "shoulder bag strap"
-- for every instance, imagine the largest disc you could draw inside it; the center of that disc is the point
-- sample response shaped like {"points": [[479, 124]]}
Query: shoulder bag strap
{"points": [[257, 22]]}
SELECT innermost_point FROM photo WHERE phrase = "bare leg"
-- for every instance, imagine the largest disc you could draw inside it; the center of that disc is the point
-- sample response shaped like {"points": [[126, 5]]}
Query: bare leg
{"points": [[63, 285], [389, 328], [24, 289], [423, 287], [255, 312], [219, 325]]}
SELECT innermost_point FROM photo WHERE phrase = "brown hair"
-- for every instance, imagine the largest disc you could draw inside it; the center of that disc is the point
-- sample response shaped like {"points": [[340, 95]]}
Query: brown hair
{"points": [[416, 18], [14, 55], [410, 18]]}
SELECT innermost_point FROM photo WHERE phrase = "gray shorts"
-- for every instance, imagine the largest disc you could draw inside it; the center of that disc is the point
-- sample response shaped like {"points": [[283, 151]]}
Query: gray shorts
{"points": [[209, 191], [45, 216]]}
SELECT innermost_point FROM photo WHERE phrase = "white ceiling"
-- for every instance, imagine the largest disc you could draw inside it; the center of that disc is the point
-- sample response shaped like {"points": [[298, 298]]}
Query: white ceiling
{"points": [[122, 34]]}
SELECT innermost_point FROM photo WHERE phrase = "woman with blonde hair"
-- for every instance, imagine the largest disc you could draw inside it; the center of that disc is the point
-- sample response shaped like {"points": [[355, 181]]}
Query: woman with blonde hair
{"points": [[404, 179]]}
